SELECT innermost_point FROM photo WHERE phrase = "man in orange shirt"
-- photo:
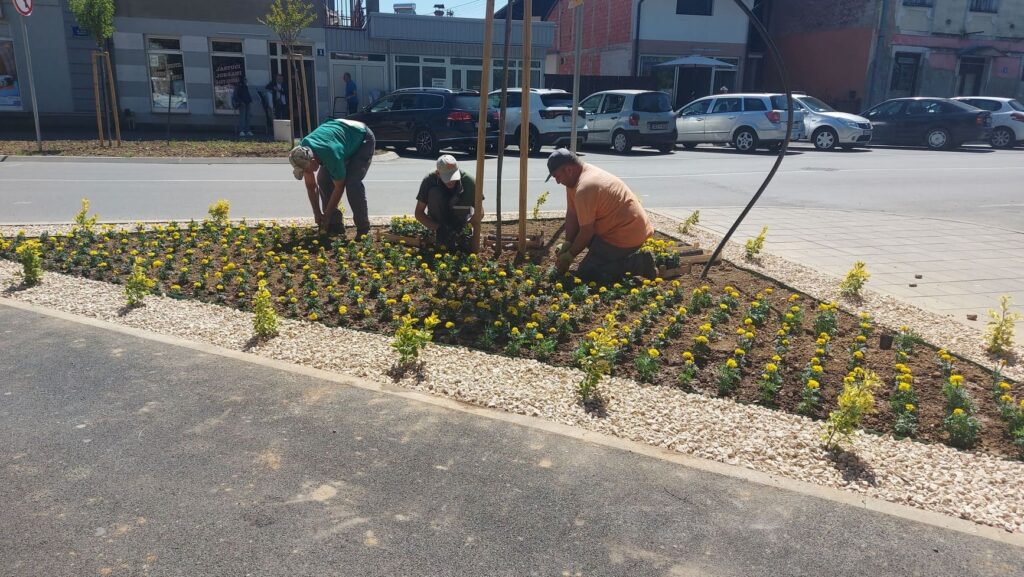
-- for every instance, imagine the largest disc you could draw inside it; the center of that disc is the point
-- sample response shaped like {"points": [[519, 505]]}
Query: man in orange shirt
{"points": [[605, 218]]}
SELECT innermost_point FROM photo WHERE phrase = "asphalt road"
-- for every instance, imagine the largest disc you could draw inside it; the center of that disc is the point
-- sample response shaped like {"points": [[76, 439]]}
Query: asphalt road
{"points": [[976, 184], [125, 456]]}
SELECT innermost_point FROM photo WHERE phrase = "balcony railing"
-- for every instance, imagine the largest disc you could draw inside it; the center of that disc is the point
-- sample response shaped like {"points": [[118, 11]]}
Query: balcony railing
{"points": [[345, 14]]}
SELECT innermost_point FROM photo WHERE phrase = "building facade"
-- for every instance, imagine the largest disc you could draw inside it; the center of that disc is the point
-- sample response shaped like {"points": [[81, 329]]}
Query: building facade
{"points": [[631, 37], [856, 53], [177, 62]]}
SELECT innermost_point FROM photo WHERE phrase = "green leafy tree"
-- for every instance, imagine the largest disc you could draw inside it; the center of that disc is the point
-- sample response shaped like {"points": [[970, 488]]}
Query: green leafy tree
{"points": [[97, 16]]}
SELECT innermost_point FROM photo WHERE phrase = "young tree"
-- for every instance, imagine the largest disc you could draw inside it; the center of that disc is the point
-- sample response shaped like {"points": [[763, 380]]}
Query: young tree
{"points": [[287, 18], [98, 17]]}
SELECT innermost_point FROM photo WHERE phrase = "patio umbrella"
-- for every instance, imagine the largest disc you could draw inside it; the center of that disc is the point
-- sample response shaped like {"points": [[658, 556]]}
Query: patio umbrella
{"points": [[697, 61]]}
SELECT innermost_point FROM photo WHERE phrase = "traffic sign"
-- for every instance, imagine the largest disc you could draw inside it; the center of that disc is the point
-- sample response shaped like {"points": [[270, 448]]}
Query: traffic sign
{"points": [[24, 7], [575, 3]]}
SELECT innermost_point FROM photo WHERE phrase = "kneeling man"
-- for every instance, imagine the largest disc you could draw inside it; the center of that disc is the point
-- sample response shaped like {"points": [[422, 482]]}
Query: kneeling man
{"points": [[445, 204], [605, 218]]}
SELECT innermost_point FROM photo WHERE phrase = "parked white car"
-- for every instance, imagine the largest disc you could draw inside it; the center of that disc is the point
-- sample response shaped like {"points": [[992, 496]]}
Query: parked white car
{"points": [[623, 119], [550, 117], [827, 128], [748, 121], [1007, 119]]}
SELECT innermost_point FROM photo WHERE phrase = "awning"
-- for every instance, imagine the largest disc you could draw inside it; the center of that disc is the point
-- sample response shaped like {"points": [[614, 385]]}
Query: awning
{"points": [[697, 61], [981, 51]]}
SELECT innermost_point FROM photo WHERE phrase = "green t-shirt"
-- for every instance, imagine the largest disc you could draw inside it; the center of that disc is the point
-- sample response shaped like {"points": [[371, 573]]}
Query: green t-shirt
{"points": [[334, 142]]}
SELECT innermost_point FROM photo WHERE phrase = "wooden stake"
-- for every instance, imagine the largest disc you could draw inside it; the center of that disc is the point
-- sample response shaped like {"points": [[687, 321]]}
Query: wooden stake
{"points": [[524, 124], [113, 98], [96, 94], [305, 93], [481, 132]]}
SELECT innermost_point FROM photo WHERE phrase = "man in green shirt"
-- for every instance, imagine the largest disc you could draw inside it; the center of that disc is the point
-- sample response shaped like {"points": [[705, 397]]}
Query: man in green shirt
{"points": [[332, 159], [445, 204]]}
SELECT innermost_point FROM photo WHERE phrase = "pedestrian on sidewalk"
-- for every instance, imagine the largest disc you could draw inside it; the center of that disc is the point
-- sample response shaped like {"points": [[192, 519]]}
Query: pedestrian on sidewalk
{"points": [[351, 93], [241, 99], [604, 218], [331, 160], [278, 96], [445, 204]]}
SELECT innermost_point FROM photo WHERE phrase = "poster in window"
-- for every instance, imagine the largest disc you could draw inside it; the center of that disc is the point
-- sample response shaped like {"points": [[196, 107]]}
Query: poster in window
{"points": [[10, 90], [227, 71]]}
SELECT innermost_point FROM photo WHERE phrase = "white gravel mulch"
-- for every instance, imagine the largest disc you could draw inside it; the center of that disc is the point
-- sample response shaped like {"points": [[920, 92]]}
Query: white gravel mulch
{"points": [[976, 487]]}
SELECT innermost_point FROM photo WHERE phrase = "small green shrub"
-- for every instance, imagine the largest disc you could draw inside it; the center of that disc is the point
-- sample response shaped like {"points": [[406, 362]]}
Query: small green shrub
{"points": [[264, 321], [30, 254], [137, 286], [999, 337], [540, 203], [755, 245], [855, 280], [694, 218], [218, 212], [409, 340], [855, 402], [84, 222]]}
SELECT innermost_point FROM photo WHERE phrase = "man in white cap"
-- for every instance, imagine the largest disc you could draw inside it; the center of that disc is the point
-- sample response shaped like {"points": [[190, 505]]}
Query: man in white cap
{"points": [[334, 159], [446, 202], [603, 217]]}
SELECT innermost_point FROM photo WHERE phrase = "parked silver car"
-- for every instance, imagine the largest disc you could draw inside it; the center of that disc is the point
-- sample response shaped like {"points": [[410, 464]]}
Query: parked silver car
{"points": [[623, 119], [1007, 118], [748, 121], [827, 128]]}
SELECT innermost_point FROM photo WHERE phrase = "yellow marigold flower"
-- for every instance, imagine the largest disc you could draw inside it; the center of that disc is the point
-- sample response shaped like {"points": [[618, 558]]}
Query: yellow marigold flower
{"points": [[1006, 398], [904, 387], [653, 353], [748, 321], [909, 407], [739, 352], [956, 380], [681, 311], [634, 291], [861, 339], [724, 307], [795, 309], [946, 357], [957, 412], [515, 331], [817, 369], [819, 352], [539, 336], [1004, 386], [813, 384], [771, 367], [749, 334], [859, 355], [313, 316], [687, 355], [731, 363], [700, 339]]}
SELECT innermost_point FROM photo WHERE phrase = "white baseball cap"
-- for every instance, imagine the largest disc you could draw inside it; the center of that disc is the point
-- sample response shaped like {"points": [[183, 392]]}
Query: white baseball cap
{"points": [[448, 168]]}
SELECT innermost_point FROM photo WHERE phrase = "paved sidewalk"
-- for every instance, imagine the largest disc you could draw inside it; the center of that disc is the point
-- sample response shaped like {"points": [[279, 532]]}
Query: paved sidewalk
{"points": [[965, 267], [127, 456]]}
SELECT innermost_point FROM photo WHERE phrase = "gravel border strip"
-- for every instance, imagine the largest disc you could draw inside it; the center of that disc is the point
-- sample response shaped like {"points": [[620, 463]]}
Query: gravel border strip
{"points": [[937, 478]]}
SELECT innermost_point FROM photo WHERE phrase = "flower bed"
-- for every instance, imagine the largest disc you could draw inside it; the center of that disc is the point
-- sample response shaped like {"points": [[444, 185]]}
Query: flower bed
{"points": [[737, 335]]}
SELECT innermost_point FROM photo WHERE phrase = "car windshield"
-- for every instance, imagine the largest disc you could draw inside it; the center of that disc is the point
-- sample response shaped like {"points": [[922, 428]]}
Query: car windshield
{"points": [[466, 102], [1016, 105], [557, 99], [815, 105], [652, 102]]}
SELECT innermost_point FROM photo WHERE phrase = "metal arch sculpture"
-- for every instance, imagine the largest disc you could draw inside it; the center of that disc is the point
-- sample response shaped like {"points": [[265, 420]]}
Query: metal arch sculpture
{"points": [[777, 59]]}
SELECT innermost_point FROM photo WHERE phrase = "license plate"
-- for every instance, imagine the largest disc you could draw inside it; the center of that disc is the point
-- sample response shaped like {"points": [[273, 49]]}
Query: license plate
{"points": [[657, 125]]}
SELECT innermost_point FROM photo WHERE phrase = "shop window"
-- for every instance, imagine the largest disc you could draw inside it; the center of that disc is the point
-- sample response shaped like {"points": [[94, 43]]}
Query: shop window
{"points": [[904, 73], [228, 64], [10, 88], [694, 7], [925, 3], [166, 75]]}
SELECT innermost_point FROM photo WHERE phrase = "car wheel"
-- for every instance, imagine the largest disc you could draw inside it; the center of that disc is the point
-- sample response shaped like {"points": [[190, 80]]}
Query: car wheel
{"points": [[426, 144], [689, 145], [937, 138], [534, 142], [621, 143], [745, 140], [825, 139], [666, 148], [1002, 137]]}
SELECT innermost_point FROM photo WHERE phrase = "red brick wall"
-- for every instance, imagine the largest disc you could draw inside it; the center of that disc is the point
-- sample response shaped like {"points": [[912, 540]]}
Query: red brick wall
{"points": [[827, 64], [605, 23]]}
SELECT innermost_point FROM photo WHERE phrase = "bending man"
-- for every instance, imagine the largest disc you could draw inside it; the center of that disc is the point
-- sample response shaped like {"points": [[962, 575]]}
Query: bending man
{"points": [[605, 218], [332, 159], [445, 203]]}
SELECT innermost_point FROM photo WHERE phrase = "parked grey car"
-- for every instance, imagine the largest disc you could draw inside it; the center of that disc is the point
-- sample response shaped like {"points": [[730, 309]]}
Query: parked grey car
{"points": [[748, 121], [827, 128], [623, 119]]}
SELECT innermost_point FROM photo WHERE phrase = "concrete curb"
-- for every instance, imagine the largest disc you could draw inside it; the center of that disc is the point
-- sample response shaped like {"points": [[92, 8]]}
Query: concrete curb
{"points": [[535, 423], [386, 157]]}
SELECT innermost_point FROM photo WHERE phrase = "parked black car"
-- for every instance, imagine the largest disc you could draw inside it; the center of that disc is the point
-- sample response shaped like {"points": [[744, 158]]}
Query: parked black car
{"points": [[938, 123], [429, 119]]}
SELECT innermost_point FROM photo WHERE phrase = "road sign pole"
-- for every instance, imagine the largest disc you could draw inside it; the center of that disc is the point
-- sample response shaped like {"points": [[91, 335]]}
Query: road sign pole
{"points": [[577, 29], [32, 84]]}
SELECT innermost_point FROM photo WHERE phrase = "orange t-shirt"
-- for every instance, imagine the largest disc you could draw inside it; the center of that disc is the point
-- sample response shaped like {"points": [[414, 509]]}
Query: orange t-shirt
{"points": [[604, 200]]}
